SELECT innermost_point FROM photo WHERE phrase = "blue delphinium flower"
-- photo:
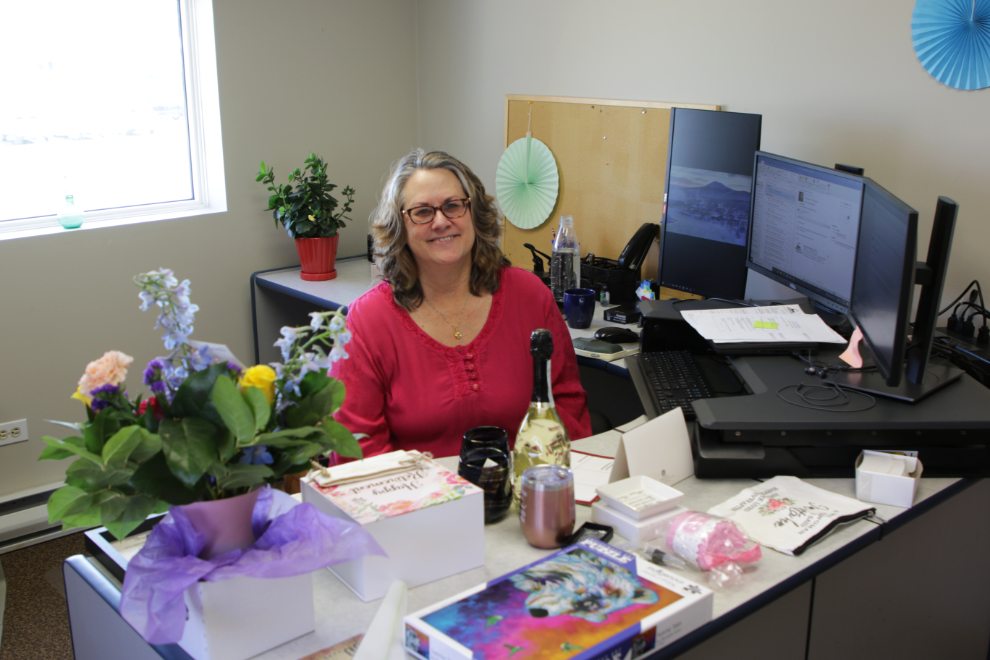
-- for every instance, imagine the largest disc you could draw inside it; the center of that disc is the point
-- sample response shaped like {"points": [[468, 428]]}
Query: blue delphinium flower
{"points": [[257, 455]]}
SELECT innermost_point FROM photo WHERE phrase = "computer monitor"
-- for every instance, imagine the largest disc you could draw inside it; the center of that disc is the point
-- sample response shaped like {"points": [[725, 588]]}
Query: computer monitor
{"points": [[883, 289], [706, 201], [883, 284], [804, 224]]}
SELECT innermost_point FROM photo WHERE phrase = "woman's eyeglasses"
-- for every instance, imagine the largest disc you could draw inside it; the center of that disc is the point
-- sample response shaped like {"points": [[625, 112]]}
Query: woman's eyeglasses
{"points": [[454, 208]]}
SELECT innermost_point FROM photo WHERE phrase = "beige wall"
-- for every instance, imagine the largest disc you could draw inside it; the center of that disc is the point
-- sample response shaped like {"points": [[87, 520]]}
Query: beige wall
{"points": [[332, 76], [835, 82]]}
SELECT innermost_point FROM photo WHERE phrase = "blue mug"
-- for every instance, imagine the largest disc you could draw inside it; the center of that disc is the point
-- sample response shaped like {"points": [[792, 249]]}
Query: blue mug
{"points": [[579, 307]]}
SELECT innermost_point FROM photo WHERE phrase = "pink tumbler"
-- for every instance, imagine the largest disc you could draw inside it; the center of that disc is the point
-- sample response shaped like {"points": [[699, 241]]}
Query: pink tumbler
{"points": [[546, 505]]}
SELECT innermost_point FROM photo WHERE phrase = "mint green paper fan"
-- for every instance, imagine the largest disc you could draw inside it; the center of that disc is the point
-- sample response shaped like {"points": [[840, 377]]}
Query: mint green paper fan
{"points": [[526, 182]]}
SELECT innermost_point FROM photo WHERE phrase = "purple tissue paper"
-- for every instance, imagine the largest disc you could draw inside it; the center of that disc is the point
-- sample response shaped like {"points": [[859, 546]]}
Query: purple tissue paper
{"points": [[292, 539]]}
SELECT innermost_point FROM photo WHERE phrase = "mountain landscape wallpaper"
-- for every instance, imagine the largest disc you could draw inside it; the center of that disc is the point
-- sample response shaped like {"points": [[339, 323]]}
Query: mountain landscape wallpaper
{"points": [[708, 204]]}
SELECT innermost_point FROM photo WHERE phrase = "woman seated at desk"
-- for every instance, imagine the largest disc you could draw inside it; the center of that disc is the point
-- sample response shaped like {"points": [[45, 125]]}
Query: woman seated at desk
{"points": [[442, 345]]}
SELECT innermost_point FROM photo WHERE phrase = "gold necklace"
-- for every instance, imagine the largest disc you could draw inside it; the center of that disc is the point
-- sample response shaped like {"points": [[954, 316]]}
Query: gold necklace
{"points": [[457, 333]]}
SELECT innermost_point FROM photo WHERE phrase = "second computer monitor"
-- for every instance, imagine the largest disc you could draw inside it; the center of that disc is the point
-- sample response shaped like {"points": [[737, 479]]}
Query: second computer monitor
{"points": [[803, 229], [884, 280]]}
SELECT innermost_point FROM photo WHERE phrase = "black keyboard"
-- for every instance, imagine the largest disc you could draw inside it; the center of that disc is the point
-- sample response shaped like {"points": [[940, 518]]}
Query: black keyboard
{"points": [[675, 381]]}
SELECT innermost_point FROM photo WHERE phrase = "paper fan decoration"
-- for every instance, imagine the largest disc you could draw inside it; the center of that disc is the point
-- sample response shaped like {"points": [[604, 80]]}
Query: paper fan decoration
{"points": [[526, 182], [952, 40]]}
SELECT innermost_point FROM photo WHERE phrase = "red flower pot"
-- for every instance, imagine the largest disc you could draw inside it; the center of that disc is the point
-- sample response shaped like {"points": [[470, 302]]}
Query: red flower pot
{"points": [[317, 256]]}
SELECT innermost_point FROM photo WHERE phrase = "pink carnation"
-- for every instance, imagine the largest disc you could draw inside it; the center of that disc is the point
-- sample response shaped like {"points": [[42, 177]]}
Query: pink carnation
{"points": [[111, 369]]}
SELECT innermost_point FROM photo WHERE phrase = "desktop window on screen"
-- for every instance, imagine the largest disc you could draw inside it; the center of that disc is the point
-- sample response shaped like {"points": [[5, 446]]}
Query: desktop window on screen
{"points": [[805, 227]]}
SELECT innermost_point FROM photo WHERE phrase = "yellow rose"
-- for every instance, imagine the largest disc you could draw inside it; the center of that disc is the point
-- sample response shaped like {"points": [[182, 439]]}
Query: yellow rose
{"points": [[261, 376]]}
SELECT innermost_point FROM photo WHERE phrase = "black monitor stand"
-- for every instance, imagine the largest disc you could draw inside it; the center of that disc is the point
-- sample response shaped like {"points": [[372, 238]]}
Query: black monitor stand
{"points": [[938, 374]]}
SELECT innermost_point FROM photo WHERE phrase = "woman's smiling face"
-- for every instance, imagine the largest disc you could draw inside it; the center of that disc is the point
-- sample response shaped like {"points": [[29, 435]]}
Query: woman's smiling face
{"points": [[442, 241]]}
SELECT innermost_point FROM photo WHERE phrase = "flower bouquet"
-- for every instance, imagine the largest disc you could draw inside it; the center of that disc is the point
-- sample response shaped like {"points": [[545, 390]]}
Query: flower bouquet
{"points": [[209, 430], [210, 434]]}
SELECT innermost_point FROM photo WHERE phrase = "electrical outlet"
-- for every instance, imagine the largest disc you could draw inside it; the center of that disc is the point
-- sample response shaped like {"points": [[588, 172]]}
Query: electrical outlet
{"points": [[11, 432]]}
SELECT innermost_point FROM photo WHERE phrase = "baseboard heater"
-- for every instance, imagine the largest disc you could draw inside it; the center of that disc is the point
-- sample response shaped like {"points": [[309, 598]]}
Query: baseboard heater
{"points": [[25, 513]]}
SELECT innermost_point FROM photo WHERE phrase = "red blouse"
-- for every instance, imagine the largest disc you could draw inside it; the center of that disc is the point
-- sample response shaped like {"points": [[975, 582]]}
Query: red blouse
{"points": [[405, 390]]}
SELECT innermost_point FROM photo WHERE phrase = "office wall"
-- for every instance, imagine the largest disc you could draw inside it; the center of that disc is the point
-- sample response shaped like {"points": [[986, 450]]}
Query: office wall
{"points": [[835, 82], [331, 76]]}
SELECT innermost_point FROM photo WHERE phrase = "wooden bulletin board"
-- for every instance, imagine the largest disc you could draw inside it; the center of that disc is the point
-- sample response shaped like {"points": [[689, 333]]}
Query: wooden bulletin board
{"points": [[612, 161]]}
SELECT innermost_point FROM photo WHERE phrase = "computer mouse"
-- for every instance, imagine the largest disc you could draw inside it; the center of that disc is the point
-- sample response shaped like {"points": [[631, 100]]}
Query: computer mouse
{"points": [[617, 335]]}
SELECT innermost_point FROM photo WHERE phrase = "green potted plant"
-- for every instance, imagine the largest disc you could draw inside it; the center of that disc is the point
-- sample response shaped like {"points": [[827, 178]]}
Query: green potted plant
{"points": [[310, 214]]}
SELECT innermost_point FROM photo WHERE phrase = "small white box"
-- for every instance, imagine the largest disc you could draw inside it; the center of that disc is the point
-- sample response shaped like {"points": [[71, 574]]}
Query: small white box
{"points": [[630, 528], [639, 497], [875, 482], [430, 521], [239, 618]]}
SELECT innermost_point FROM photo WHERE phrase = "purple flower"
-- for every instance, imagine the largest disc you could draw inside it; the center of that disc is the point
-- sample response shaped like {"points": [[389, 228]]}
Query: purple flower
{"points": [[105, 396], [103, 390], [233, 369], [257, 455], [152, 373]]}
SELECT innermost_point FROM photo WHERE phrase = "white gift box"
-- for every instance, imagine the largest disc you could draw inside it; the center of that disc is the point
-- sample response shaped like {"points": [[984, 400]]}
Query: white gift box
{"points": [[884, 478], [430, 521], [630, 528], [239, 618]]}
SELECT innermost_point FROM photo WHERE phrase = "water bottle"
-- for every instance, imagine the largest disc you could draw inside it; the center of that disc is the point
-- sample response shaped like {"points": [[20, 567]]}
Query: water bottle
{"points": [[565, 263]]}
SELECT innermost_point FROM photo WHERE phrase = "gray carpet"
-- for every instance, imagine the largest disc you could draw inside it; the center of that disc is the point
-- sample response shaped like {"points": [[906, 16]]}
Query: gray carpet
{"points": [[35, 621]]}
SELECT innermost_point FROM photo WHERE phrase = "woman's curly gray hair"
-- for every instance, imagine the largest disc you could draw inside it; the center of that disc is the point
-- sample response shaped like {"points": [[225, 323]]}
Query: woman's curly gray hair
{"points": [[391, 245]]}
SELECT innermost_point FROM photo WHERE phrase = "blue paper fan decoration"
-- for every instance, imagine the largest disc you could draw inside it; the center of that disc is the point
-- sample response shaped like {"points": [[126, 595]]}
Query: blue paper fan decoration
{"points": [[526, 182], [952, 40]]}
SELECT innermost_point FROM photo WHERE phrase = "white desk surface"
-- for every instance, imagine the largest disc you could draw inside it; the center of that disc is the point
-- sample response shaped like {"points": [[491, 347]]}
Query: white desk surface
{"points": [[353, 280], [341, 615]]}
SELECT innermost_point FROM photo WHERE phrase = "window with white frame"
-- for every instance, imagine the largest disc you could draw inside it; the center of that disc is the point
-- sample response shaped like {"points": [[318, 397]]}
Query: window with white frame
{"points": [[113, 102]]}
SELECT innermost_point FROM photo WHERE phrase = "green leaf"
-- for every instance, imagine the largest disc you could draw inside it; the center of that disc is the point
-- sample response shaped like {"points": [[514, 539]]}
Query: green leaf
{"points": [[237, 415], [136, 511], [118, 448], [260, 407], [90, 477], [66, 501], [111, 504], [53, 452], [192, 399], [155, 479], [78, 428], [189, 447], [303, 453], [226, 447], [286, 437], [72, 448], [88, 518], [103, 426], [344, 442], [149, 446], [243, 475]]}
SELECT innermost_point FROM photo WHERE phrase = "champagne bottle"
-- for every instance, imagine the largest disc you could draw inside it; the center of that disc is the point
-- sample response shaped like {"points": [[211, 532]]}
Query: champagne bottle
{"points": [[542, 437]]}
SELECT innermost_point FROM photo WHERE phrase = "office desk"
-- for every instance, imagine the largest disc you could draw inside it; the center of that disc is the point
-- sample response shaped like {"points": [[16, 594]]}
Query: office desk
{"points": [[769, 615], [788, 590]]}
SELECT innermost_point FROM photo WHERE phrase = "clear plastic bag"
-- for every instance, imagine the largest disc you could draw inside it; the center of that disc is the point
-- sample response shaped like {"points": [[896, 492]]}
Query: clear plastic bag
{"points": [[712, 544]]}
